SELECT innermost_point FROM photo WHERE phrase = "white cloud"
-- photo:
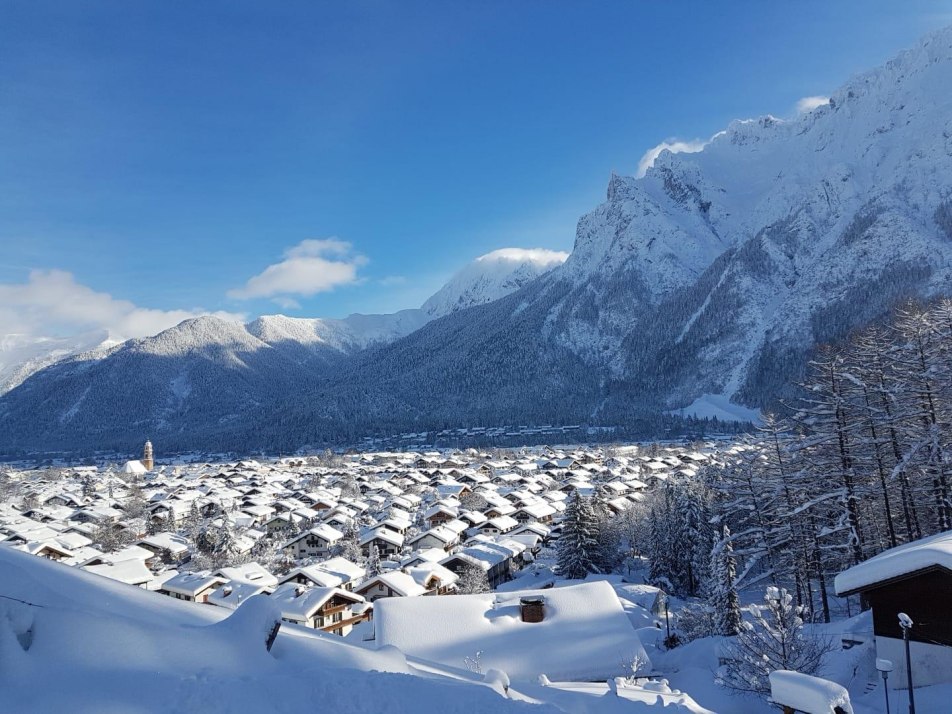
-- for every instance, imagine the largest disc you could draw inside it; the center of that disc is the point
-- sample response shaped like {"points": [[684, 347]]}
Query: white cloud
{"points": [[310, 267], [675, 146], [808, 104], [543, 257], [51, 302]]}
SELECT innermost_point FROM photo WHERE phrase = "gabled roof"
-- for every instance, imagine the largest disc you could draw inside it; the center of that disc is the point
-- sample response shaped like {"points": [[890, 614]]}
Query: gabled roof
{"points": [[192, 583], [318, 576], [903, 560], [328, 533], [249, 573], [298, 602], [346, 569], [403, 584], [384, 534], [131, 571]]}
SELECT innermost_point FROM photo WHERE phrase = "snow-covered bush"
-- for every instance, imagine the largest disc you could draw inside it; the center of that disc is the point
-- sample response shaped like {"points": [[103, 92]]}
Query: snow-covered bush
{"points": [[773, 639], [695, 621], [472, 580]]}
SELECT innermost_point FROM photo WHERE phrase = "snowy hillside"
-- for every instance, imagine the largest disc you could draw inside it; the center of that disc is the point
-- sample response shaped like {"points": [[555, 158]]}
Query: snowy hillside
{"points": [[491, 277], [22, 355], [115, 647]]}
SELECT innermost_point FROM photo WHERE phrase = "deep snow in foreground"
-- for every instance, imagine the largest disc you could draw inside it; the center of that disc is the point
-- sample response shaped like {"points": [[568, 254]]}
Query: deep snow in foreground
{"points": [[111, 647]]}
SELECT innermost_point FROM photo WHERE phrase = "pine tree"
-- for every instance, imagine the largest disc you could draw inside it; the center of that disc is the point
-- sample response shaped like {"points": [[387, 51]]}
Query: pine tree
{"points": [[89, 486], [578, 544], [373, 562], [723, 598], [193, 522], [226, 544], [472, 580], [773, 640], [349, 545]]}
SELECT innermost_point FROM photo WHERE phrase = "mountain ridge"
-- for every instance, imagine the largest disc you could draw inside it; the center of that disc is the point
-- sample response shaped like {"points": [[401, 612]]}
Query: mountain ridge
{"points": [[711, 277]]}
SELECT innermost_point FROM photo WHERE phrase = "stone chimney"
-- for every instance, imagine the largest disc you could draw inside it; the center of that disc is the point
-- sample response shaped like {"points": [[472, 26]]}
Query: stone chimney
{"points": [[532, 608]]}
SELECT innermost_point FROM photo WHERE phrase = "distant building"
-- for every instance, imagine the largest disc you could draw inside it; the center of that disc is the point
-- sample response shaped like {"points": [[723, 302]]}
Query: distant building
{"points": [[147, 459]]}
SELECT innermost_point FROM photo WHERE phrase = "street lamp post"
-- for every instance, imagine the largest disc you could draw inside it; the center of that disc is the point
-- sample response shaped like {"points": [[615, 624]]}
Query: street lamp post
{"points": [[905, 622], [885, 667]]}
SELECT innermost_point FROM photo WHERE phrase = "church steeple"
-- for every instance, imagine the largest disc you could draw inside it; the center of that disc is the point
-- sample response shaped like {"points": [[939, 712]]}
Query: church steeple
{"points": [[147, 459]]}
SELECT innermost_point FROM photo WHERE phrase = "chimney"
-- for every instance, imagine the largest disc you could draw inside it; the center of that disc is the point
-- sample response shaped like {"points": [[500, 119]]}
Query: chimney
{"points": [[532, 609]]}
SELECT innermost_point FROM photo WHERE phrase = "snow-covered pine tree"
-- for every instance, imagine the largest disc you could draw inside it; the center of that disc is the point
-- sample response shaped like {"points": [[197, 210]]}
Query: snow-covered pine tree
{"points": [[607, 533], [194, 520], [773, 639], [373, 562], [680, 535], [472, 580], [723, 592], [578, 544], [349, 545], [89, 486]]}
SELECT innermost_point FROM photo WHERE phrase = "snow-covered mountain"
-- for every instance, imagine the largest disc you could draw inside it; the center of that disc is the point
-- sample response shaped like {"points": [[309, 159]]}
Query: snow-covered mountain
{"points": [[22, 355], [210, 376], [491, 277], [706, 281], [712, 277], [487, 278]]}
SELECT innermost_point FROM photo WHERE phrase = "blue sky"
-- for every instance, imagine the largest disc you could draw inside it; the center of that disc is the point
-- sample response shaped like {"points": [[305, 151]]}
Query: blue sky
{"points": [[164, 154]]}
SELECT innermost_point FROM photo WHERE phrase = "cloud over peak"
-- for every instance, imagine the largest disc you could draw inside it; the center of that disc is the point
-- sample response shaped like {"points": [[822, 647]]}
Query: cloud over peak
{"points": [[808, 104], [52, 302], [312, 266], [542, 257], [675, 146]]}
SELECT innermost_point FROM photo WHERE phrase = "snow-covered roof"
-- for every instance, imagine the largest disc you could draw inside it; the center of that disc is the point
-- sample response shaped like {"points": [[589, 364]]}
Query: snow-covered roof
{"points": [[299, 603], [585, 634], [403, 584], [252, 572], [131, 571], [191, 583], [343, 567], [896, 562]]}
